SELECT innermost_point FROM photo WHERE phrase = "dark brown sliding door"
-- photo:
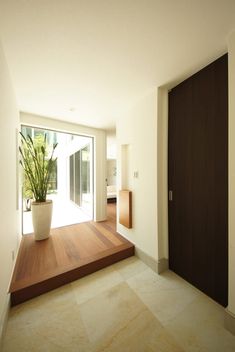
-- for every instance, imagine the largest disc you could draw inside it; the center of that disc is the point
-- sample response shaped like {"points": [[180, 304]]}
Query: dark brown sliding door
{"points": [[198, 179]]}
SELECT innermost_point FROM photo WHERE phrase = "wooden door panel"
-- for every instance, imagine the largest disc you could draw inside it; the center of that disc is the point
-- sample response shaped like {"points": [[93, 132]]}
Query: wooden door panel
{"points": [[221, 181], [198, 177], [180, 243], [203, 180]]}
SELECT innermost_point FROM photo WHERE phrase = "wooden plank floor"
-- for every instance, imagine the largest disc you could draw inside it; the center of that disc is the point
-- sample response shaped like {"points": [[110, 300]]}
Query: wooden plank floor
{"points": [[70, 253]]}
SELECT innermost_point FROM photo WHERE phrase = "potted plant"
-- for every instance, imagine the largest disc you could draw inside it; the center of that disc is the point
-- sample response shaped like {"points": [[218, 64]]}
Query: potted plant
{"points": [[38, 167]]}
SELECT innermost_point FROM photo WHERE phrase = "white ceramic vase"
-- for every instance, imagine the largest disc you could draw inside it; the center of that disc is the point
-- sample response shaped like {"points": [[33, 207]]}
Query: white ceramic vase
{"points": [[41, 217]]}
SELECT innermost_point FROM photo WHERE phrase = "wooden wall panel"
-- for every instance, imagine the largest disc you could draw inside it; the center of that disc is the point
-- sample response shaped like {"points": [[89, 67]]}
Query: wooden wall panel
{"points": [[125, 208]]}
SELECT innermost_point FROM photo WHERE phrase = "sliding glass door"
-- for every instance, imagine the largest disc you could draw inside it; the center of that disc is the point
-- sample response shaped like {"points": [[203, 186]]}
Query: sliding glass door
{"points": [[77, 178], [81, 178], [71, 184]]}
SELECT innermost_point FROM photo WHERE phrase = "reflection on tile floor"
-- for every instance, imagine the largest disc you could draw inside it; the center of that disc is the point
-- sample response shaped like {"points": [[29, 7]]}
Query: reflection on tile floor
{"points": [[125, 307]]}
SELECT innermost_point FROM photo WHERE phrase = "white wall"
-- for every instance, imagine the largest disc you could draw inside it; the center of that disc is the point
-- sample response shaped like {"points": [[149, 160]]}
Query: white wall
{"points": [[231, 51], [9, 215], [111, 156], [100, 200], [111, 145], [162, 166], [111, 172], [138, 129]]}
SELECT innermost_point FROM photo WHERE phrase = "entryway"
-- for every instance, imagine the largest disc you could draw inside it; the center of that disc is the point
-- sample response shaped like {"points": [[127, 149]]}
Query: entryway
{"points": [[70, 253]]}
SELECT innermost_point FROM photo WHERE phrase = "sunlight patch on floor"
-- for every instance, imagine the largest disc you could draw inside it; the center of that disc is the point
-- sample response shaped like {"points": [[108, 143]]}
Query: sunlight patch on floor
{"points": [[65, 213]]}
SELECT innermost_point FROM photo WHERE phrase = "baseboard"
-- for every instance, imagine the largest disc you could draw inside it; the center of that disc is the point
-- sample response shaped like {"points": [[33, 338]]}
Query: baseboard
{"points": [[159, 266], [229, 321], [147, 259], [162, 265], [3, 319]]}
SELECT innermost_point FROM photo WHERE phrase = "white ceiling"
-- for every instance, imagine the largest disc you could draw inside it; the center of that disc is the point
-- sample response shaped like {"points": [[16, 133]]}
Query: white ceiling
{"points": [[98, 57]]}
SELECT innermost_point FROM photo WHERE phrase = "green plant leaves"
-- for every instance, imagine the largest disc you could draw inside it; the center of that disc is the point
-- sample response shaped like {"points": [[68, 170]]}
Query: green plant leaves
{"points": [[37, 165]]}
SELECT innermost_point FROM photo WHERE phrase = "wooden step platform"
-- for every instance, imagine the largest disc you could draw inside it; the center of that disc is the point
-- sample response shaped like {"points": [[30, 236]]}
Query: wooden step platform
{"points": [[70, 253]]}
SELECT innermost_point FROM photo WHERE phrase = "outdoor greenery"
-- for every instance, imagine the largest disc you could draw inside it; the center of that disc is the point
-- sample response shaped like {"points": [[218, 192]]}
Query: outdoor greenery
{"points": [[37, 165]]}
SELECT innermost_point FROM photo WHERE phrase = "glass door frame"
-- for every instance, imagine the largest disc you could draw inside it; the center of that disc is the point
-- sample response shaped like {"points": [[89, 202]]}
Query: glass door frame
{"points": [[92, 162]]}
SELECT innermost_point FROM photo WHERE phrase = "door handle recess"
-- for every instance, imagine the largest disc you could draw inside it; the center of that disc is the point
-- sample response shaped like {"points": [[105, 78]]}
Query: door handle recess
{"points": [[170, 196]]}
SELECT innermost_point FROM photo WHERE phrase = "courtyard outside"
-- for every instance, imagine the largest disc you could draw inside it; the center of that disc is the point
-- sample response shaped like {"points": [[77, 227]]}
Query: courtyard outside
{"points": [[65, 212]]}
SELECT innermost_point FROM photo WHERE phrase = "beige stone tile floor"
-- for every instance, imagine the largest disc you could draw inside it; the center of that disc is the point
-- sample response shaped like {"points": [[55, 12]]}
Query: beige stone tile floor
{"points": [[125, 307]]}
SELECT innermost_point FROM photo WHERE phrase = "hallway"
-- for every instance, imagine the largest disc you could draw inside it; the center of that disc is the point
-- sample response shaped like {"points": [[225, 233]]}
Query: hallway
{"points": [[70, 253], [125, 307]]}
